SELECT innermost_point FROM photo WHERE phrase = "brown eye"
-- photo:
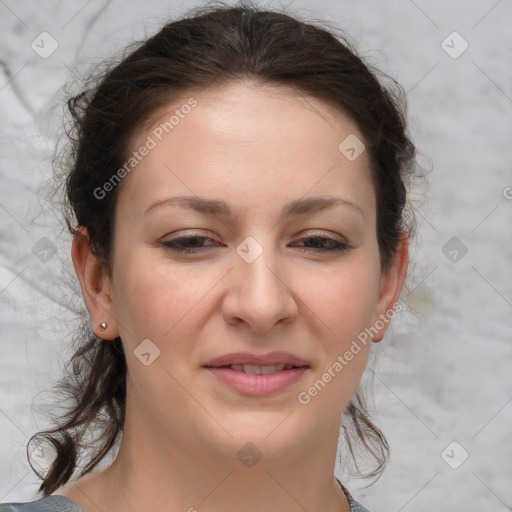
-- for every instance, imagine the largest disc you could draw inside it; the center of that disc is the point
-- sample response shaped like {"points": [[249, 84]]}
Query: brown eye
{"points": [[323, 244], [188, 244]]}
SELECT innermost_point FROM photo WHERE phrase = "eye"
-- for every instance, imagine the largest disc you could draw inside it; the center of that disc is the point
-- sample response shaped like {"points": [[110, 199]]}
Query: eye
{"points": [[325, 244], [188, 244]]}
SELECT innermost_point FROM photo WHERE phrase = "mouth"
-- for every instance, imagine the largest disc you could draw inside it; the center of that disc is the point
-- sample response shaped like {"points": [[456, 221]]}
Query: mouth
{"points": [[249, 362], [253, 369], [257, 375]]}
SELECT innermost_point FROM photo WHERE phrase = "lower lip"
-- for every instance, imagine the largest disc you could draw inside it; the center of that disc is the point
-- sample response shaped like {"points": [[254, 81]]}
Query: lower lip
{"points": [[258, 385]]}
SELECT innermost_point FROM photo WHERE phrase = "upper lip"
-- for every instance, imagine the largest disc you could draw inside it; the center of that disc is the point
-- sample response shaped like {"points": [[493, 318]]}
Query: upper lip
{"points": [[271, 358]]}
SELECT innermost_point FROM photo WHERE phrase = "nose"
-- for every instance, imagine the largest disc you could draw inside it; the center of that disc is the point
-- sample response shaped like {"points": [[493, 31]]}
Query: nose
{"points": [[260, 293]]}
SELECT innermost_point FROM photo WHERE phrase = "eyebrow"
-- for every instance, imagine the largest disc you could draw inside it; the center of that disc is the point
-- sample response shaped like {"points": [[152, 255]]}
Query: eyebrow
{"points": [[218, 207]]}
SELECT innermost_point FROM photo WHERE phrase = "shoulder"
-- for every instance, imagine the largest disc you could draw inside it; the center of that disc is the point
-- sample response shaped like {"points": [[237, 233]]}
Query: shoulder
{"points": [[52, 503], [354, 505]]}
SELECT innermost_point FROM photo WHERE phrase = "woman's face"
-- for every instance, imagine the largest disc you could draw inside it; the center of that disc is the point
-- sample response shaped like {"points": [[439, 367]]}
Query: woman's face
{"points": [[280, 254]]}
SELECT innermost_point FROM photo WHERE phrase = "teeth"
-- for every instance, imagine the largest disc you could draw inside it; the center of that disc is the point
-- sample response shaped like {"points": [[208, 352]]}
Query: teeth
{"points": [[271, 369], [259, 370]]}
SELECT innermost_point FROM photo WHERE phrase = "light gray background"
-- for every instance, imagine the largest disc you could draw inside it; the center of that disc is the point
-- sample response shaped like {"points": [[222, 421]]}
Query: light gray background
{"points": [[443, 372]]}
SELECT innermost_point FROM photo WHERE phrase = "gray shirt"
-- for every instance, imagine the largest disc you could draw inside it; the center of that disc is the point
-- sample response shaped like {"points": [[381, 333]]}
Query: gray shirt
{"points": [[63, 504]]}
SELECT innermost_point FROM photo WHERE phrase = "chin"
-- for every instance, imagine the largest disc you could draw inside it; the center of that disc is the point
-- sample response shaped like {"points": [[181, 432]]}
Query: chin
{"points": [[258, 434]]}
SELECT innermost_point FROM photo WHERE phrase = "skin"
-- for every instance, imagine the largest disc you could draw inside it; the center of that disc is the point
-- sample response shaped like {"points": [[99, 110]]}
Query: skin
{"points": [[257, 148]]}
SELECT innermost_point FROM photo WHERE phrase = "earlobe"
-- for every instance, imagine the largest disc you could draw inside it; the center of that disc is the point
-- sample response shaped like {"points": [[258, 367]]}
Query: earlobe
{"points": [[391, 285], [95, 284]]}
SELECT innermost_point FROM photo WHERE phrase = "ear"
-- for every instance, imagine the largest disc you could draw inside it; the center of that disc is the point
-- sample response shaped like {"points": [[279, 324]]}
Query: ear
{"points": [[96, 286], [391, 283]]}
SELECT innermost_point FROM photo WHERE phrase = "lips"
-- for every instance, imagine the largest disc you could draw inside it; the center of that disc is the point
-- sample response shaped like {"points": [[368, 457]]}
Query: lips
{"points": [[238, 359], [258, 375]]}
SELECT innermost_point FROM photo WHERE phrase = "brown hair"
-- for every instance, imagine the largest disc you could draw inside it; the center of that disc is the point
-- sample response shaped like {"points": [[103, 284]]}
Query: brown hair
{"points": [[210, 46]]}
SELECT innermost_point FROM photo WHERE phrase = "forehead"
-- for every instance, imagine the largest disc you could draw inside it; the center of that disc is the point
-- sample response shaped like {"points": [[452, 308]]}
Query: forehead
{"points": [[246, 143]]}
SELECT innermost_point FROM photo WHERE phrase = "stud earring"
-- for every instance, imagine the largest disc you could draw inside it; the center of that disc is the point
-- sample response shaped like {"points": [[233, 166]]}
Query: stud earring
{"points": [[103, 325]]}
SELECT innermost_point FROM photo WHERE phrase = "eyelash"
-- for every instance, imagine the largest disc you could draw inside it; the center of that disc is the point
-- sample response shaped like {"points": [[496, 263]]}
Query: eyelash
{"points": [[176, 245]]}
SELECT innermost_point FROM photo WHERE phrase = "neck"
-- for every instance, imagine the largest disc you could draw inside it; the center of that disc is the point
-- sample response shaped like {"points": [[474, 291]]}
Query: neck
{"points": [[152, 473]]}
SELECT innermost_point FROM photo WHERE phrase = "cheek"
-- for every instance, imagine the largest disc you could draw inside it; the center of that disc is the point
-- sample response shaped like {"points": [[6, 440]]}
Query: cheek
{"points": [[343, 303], [344, 300], [159, 301], [148, 297]]}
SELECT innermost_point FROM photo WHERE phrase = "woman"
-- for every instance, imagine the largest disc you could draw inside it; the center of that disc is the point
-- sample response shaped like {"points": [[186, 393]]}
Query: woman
{"points": [[237, 198]]}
